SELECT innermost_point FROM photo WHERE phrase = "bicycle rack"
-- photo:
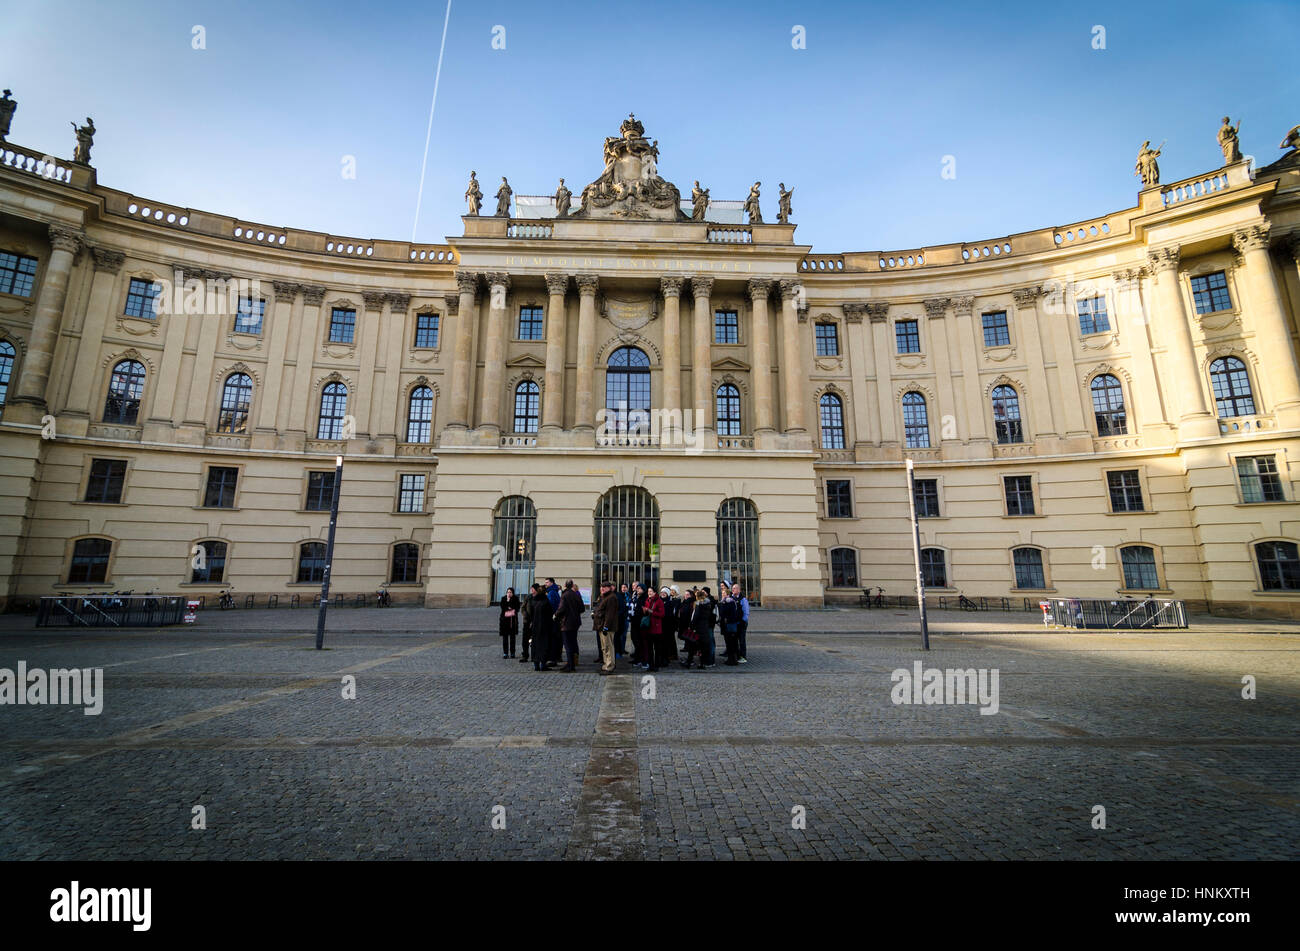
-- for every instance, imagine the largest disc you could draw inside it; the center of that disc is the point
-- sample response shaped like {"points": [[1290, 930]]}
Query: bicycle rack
{"points": [[272, 600]]}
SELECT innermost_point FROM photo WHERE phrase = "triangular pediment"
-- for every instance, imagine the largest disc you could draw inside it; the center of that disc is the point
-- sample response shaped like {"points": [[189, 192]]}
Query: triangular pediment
{"points": [[527, 361], [730, 363]]}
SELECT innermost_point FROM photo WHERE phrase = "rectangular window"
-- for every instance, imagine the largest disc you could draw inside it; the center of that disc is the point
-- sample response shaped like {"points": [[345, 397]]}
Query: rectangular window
{"points": [[1029, 568], [828, 340], [934, 569], [1260, 481], [248, 319], [320, 491], [17, 272], [839, 498], [140, 297], [410, 495], [1020, 494], [1092, 315], [105, 482], [212, 569], [996, 331], [1139, 564], [426, 331], [1125, 491], [844, 568], [1210, 293], [726, 327], [219, 492], [908, 335], [89, 561], [530, 323], [927, 498], [343, 325]]}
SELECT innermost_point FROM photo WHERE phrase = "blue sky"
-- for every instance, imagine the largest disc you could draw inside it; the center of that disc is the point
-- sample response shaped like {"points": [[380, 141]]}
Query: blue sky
{"points": [[1043, 128]]}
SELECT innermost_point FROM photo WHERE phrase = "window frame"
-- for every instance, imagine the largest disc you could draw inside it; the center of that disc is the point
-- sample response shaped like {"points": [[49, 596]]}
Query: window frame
{"points": [[1014, 426], [335, 311], [307, 491], [943, 564], [138, 400], [222, 410], [1006, 496], [71, 554], [392, 562], [320, 411], [1092, 313], [1138, 475], [225, 563], [727, 422], [436, 331], [207, 481], [1234, 398], [832, 337], [89, 477], [532, 414], [836, 401], [914, 332], [1155, 566], [1261, 581], [730, 322], [400, 499], [8, 363], [1044, 574], [1123, 398], [258, 312], [1281, 472], [536, 319], [924, 405], [146, 297], [938, 504], [1210, 295], [826, 494], [297, 562], [18, 271], [830, 565], [1005, 327]]}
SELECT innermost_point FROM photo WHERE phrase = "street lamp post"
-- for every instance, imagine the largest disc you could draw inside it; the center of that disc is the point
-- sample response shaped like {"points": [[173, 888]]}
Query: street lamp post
{"points": [[329, 553], [916, 554]]}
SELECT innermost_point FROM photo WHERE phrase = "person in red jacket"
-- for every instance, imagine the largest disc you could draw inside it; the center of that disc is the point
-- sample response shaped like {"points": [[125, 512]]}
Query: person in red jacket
{"points": [[652, 644]]}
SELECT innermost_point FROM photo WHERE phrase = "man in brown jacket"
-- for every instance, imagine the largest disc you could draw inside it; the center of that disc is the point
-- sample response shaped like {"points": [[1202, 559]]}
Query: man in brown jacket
{"points": [[604, 618]]}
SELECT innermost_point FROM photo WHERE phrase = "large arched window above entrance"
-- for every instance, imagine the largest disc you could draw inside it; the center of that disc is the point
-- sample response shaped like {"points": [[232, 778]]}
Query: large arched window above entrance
{"points": [[738, 547], [626, 537], [627, 389]]}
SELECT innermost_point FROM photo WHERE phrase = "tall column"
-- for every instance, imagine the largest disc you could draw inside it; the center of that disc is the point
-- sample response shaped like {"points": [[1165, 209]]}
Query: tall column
{"points": [[584, 417], [1132, 324], [168, 390], [882, 351], [671, 288], [1026, 327], [196, 405], [792, 368], [1274, 341], [286, 295], [702, 354], [494, 353], [107, 265], [384, 415], [1194, 418], [969, 345], [29, 394], [302, 393], [466, 315], [761, 329], [936, 309], [1073, 421], [855, 355], [557, 285], [373, 316]]}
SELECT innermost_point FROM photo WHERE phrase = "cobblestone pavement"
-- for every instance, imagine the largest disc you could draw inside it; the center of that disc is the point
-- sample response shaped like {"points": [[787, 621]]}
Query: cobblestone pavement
{"points": [[802, 753]]}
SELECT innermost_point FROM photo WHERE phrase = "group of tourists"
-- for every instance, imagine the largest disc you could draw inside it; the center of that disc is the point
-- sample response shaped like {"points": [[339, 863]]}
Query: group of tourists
{"points": [[546, 620]]}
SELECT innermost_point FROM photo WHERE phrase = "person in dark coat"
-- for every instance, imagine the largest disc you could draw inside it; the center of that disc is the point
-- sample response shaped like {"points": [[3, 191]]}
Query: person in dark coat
{"points": [[539, 613], [666, 642], [570, 619], [729, 619], [620, 642], [636, 611], [654, 631], [556, 643], [703, 620], [685, 616], [509, 622]]}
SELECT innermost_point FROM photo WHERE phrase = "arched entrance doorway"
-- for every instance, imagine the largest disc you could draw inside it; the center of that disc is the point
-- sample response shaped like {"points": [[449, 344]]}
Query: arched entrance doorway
{"points": [[738, 546], [514, 535], [627, 537]]}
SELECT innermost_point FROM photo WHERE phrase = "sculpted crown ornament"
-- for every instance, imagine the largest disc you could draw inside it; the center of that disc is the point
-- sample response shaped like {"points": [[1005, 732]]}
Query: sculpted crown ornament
{"points": [[630, 186]]}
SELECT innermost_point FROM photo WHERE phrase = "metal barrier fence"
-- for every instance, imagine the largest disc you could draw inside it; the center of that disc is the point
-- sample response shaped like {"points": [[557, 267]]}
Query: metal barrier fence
{"points": [[109, 611], [1125, 614]]}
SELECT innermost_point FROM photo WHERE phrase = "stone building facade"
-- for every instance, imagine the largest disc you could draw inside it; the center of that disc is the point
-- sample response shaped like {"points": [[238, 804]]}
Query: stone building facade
{"points": [[648, 387]]}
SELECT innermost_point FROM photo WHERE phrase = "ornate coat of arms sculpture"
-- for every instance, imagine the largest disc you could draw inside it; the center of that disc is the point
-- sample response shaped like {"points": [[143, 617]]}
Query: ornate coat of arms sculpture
{"points": [[630, 186]]}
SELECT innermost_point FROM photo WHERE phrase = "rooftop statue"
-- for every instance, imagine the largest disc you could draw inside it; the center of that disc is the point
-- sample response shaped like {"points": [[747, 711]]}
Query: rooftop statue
{"points": [[562, 199], [630, 186], [783, 213], [7, 107], [700, 201], [1146, 167], [474, 196], [1228, 141], [1292, 140], [751, 206], [85, 139], [503, 198]]}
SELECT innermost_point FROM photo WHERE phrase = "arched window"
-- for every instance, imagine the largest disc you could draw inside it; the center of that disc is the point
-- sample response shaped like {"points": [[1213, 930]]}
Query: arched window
{"points": [[844, 568], [1028, 563], [208, 564], [934, 570], [419, 415], [727, 400], [627, 390], [526, 396], [1108, 406], [333, 407], [124, 389], [1139, 564], [738, 546], [1231, 383], [832, 419], [236, 395], [311, 562], [1006, 415], [89, 561], [626, 537], [6, 369], [1279, 565], [406, 564], [916, 421]]}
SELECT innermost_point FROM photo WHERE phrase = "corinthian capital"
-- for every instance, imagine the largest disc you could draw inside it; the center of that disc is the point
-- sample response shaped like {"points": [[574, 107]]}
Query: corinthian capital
{"points": [[853, 312], [935, 306], [498, 279], [877, 311], [313, 294], [963, 306], [588, 284], [66, 239], [285, 290], [399, 301], [1127, 277], [759, 288], [107, 260], [1164, 259], [1026, 296], [557, 285], [671, 285], [452, 302], [1253, 238], [467, 282], [701, 287], [373, 299]]}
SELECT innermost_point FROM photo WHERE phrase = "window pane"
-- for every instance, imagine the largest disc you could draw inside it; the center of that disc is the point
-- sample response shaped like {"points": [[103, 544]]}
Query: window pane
{"points": [[140, 298], [839, 498], [1210, 293], [125, 387], [320, 491], [726, 327], [426, 330], [1139, 567], [727, 410], [827, 339], [419, 417], [530, 323], [89, 561], [916, 423], [220, 489], [17, 272], [343, 325], [248, 320], [908, 336], [996, 331], [526, 400], [1231, 384], [1029, 568], [832, 422]]}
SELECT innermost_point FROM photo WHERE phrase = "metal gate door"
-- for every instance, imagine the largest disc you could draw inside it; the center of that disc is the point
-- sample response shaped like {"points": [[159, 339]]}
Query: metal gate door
{"points": [[514, 534], [626, 538], [738, 546]]}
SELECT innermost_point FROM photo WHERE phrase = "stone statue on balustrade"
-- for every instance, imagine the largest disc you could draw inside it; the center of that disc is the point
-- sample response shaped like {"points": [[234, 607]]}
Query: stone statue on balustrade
{"points": [[1146, 167], [1228, 141], [7, 107], [503, 199], [85, 139], [783, 212], [1292, 140], [700, 202], [563, 197], [751, 206], [474, 195]]}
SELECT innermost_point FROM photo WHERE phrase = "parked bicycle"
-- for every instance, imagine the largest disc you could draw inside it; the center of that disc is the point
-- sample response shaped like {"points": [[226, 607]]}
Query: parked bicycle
{"points": [[227, 600], [870, 601], [382, 598]]}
